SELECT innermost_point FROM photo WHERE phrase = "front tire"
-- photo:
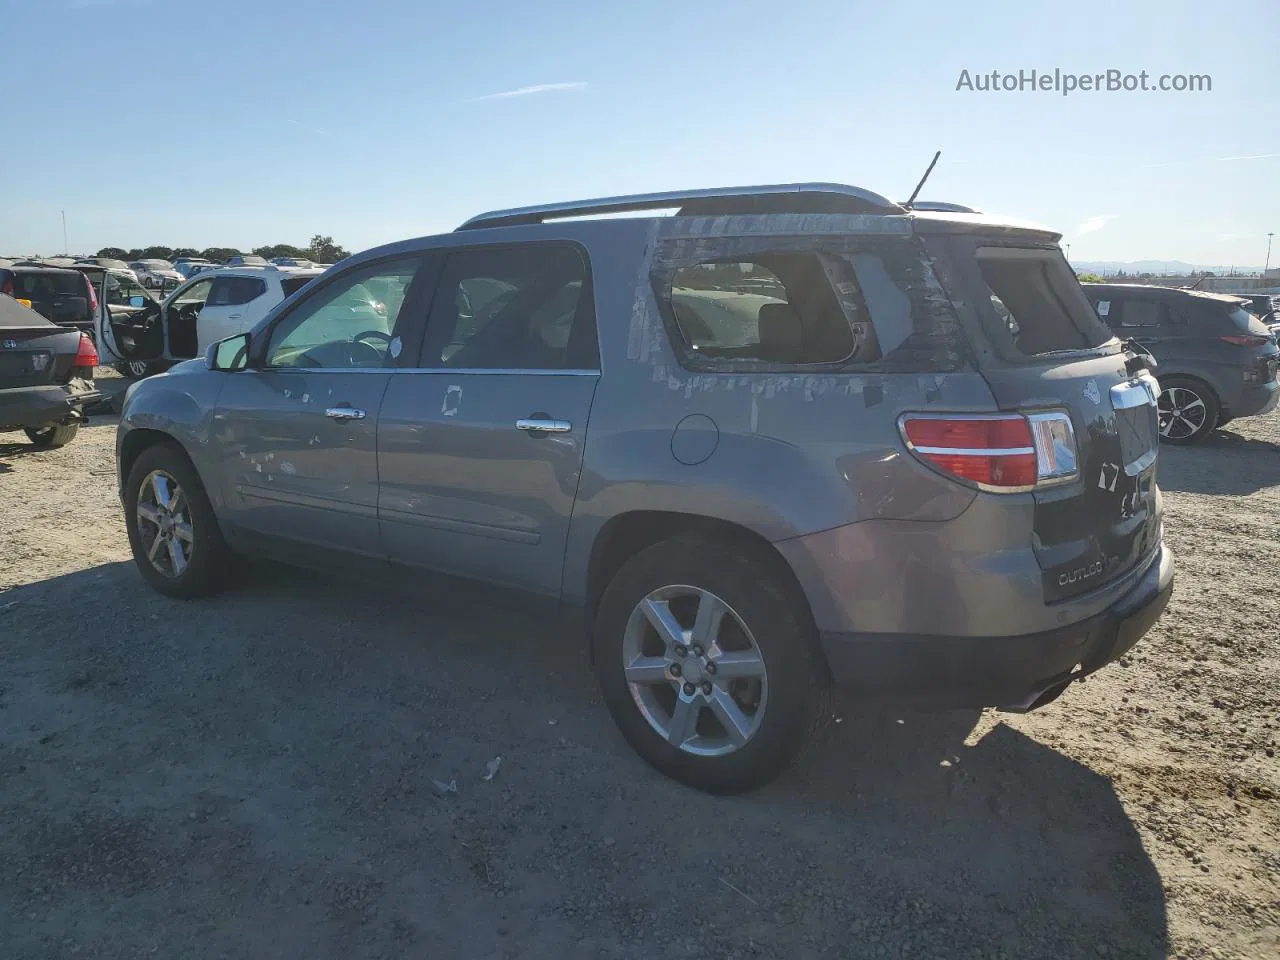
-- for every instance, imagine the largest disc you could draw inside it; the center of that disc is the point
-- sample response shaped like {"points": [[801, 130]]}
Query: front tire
{"points": [[705, 659], [173, 532], [1189, 410], [50, 438]]}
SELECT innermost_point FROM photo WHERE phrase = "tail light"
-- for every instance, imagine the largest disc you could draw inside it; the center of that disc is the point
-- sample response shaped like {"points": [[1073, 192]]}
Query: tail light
{"points": [[86, 357], [93, 297], [1245, 340], [1001, 453]]}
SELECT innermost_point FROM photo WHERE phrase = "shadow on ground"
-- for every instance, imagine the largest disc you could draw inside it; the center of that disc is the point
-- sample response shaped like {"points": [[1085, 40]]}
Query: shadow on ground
{"points": [[260, 774], [1225, 462]]}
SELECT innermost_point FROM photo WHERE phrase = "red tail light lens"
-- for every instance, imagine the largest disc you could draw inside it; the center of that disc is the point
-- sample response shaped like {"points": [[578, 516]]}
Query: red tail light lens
{"points": [[93, 296], [87, 354], [995, 452], [1245, 340]]}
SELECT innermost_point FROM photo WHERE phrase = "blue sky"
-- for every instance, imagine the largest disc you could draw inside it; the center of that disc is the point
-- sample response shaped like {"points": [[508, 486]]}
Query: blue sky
{"points": [[240, 123]]}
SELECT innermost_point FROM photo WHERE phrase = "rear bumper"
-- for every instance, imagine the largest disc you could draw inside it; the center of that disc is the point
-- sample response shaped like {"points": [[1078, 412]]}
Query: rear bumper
{"points": [[42, 405], [1256, 399], [1016, 673]]}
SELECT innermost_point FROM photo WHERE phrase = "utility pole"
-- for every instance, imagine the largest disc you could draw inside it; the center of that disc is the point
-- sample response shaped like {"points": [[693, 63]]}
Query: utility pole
{"points": [[65, 247], [1268, 265]]}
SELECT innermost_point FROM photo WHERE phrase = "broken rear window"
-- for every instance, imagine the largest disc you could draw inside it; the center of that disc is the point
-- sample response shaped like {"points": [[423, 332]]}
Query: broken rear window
{"points": [[1031, 301], [748, 303]]}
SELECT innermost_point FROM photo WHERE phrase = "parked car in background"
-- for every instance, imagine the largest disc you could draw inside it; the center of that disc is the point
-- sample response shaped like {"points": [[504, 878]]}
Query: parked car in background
{"points": [[214, 304], [116, 266], [190, 266], [744, 496], [61, 294], [1266, 307], [154, 273], [46, 375], [246, 260], [291, 262], [1217, 361]]}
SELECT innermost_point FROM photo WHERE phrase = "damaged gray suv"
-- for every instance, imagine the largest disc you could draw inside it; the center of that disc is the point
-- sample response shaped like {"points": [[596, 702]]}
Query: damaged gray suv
{"points": [[785, 438]]}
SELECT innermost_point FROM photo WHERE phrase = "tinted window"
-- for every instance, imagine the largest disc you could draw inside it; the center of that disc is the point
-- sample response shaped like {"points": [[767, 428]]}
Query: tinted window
{"points": [[34, 286], [231, 291], [1134, 313], [292, 285], [1034, 302], [346, 324], [517, 308]]}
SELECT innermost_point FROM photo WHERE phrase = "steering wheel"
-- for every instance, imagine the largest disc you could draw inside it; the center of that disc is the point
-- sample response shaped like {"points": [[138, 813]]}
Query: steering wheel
{"points": [[385, 337]]}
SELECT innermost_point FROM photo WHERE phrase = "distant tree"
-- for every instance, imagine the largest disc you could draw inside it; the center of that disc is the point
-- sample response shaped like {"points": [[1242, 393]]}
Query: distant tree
{"points": [[157, 253], [1089, 278], [281, 250], [324, 250], [185, 252], [113, 253], [219, 254]]}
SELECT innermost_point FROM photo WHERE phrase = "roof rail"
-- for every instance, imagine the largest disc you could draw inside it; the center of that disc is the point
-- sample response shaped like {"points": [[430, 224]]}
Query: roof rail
{"points": [[941, 206], [716, 201]]}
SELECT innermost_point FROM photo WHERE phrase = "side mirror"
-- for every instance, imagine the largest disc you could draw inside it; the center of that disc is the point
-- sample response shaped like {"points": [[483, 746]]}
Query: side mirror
{"points": [[229, 355], [137, 302]]}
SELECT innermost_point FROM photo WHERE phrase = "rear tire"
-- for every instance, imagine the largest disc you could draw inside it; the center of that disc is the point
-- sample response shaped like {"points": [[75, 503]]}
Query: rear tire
{"points": [[766, 686], [50, 438], [173, 532], [1189, 410]]}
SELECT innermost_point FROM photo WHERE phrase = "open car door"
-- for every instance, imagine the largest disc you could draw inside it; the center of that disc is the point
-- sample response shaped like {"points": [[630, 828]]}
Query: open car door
{"points": [[125, 331]]}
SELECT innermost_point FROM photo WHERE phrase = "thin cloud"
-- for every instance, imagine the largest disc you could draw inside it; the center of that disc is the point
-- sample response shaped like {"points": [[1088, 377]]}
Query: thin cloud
{"points": [[1182, 163], [1093, 224], [303, 126], [530, 91]]}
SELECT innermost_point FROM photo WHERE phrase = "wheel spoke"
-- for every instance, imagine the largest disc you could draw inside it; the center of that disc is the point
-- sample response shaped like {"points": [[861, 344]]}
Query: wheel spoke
{"points": [[149, 513], [184, 532], [738, 663], [176, 557], [160, 487], [684, 720], [154, 550], [706, 623], [658, 613], [179, 502], [736, 723], [647, 670]]}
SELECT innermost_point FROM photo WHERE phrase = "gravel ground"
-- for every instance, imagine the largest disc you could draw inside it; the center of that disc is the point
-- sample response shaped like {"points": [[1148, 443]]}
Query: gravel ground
{"points": [[256, 775]]}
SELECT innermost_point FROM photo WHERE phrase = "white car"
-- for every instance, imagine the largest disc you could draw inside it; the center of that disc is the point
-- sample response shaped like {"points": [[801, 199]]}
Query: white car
{"points": [[154, 273], [211, 306]]}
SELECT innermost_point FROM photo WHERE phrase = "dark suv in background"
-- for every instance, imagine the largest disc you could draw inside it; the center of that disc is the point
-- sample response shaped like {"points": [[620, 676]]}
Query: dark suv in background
{"points": [[60, 294], [1217, 361]]}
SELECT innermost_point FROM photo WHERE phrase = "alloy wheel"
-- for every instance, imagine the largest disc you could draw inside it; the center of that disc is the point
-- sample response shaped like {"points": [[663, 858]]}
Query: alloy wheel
{"points": [[694, 670], [1182, 413], [138, 368], [164, 524]]}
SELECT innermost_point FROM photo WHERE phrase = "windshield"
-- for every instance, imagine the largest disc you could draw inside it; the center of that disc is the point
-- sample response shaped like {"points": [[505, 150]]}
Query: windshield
{"points": [[39, 286], [121, 288]]}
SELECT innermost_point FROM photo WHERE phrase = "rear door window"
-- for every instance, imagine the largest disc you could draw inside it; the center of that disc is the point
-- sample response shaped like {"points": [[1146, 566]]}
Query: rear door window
{"points": [[1033, 305], [233, 291], [1128, 312], [513, 308]]}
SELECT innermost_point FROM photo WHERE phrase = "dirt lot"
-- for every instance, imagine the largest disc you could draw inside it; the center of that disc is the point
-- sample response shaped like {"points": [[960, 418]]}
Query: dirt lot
{"points": [[254, 775]]}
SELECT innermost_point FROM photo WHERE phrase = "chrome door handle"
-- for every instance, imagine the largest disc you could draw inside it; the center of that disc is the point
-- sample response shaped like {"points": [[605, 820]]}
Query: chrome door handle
{"points": [[543, 425], [344, 413]]}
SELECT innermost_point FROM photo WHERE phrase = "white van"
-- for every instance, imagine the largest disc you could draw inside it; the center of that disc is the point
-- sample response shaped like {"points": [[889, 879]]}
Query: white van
{"points": [[150, 336]]}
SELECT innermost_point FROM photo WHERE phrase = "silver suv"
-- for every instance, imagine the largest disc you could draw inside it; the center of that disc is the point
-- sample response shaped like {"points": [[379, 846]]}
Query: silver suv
{"points": [[788, 437]]}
